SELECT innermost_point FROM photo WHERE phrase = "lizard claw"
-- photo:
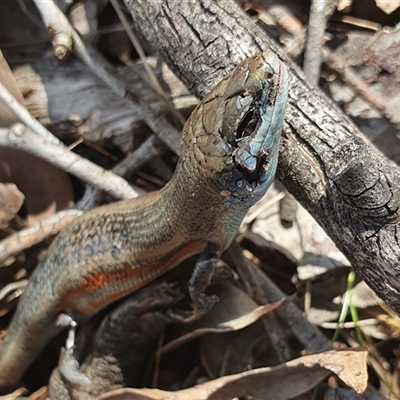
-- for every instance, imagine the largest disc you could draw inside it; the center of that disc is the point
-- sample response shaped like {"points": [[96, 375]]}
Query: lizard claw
{"points": [[69, 369], [201, 306]]}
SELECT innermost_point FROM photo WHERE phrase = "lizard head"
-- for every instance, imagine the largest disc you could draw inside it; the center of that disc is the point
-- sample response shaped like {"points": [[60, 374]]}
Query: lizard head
{"points": [[233, 135]]}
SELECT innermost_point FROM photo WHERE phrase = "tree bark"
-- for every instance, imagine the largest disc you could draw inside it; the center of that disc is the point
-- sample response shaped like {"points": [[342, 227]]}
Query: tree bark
{"points": [[340, 178]]}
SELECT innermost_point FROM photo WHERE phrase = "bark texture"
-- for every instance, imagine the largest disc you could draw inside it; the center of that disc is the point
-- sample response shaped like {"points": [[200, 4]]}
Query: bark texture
{"points": [[345, 183]]}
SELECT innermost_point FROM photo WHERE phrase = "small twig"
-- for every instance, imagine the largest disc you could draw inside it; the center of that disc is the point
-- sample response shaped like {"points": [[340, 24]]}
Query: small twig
{"points": [[69, 39], [118, 187], [312, 339], [349, 77], [14, 287], [315, 35], [135, 42], [152, 79], [113, 28], [264, 205], [20, 137], [144, 153], [25, 117], [362, 23], [350, 324], [32, 17], [22, 240], [272, 327], [281, 14]]}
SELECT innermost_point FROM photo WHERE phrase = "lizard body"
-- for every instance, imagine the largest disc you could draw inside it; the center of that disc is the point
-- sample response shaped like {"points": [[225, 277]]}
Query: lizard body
{"points": [[229, 157]]}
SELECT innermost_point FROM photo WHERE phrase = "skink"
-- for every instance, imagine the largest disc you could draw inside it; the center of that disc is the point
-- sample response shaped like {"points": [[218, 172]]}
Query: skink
{"points": [[228, 161]]}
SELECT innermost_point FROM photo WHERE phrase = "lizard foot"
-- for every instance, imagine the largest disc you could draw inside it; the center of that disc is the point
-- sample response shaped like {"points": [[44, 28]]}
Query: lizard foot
{"points": [[202, 304]]}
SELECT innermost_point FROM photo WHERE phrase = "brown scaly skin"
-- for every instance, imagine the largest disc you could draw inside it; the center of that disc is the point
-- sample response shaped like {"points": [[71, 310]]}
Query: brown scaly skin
{"points": [[229, 157]]}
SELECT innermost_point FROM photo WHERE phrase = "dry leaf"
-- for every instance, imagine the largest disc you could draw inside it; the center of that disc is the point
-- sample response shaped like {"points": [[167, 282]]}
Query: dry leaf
{"points": [[47, 189], [234, 311], [26, 238], [233, 352], [7, 117], [388, 6], [11, 200], [283, 382], [343, 4], [308, 243]]}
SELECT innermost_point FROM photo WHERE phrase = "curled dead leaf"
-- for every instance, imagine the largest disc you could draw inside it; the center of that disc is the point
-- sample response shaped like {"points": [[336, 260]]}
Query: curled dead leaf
{"points": [[282, 382]]}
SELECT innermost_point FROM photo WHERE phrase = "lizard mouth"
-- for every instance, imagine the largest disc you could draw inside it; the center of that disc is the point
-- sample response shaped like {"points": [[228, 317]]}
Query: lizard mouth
{"points": [[245, 130], [250, 159], [247, 125]]}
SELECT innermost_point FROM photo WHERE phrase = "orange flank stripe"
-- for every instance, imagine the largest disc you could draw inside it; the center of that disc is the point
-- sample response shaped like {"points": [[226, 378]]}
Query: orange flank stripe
{"points": [[89, 292]]}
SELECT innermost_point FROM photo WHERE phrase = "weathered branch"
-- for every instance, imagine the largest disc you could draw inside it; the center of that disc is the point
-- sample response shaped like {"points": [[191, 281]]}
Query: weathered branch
{"points": [[315, 39], [20, 137], [350, 188], [31, 236]]}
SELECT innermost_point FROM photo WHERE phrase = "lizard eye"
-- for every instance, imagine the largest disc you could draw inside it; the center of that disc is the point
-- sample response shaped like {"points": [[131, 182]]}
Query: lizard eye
{"points": [[247, 126]]}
